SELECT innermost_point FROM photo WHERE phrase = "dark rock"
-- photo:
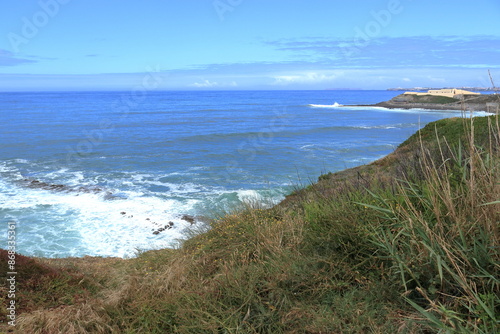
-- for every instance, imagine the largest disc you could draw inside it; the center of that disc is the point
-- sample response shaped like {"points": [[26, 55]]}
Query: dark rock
{"points": [[56, 187], [190, 219], [36, 184], [109, 196], [46, 186]]}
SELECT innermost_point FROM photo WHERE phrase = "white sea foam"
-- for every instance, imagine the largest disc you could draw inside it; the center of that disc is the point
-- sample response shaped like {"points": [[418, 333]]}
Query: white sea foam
{"points": [[4, 168], [412, 110], [91, 224], [377, 127], [335, 105], [248, 196], [430, 111], [123, 234], [307, 147], [482, 113]]}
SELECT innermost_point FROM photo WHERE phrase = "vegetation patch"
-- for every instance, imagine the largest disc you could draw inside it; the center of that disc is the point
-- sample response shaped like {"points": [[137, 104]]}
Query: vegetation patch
{"points": [[433, 99]]}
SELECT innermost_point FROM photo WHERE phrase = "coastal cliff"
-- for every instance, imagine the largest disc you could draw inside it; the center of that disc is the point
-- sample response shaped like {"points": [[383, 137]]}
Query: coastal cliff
{"points": [[486, 102]]}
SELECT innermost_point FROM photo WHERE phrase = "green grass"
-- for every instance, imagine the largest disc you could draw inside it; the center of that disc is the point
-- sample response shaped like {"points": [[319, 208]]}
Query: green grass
{"points": [[434, 99], [407, 244], [453, 131]]}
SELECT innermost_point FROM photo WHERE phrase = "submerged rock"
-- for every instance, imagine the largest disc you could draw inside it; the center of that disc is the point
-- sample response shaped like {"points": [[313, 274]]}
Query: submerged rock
{"points": [[35, 184], [190, 219], [162, 228]]}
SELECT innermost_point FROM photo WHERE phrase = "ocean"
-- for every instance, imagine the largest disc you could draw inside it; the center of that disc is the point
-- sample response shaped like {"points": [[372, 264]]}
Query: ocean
{"points": [[115, 173]]}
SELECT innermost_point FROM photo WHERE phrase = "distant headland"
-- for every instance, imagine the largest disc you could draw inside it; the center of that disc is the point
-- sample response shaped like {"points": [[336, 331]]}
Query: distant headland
{"points": [[444, 99], [473, 89]]}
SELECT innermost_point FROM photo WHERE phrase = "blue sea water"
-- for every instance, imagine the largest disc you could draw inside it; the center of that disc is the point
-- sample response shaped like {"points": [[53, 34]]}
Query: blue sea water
{"points": [[95, 173]]}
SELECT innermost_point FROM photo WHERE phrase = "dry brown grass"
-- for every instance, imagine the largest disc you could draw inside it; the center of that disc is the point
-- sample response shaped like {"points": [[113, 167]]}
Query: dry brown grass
{"points": [[77, 319]]}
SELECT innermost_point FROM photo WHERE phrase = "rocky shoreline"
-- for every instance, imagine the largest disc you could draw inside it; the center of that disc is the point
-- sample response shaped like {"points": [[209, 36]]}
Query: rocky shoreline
{"points": [[107, 195], [488, 103]]}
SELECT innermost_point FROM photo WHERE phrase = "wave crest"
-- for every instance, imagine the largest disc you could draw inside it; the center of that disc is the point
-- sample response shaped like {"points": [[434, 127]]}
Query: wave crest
{"points": [[335, 105]]}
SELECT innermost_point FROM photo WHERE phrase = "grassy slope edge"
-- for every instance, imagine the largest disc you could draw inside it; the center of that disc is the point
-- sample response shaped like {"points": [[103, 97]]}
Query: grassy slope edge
{"points": [[406, 244]]}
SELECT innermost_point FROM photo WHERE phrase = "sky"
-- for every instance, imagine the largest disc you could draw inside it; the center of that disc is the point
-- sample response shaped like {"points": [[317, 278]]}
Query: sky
{"points": [[57, 45]]}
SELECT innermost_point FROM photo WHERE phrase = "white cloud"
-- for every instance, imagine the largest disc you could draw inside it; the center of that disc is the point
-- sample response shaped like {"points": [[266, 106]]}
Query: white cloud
{"points": [[211, 84], [205, 84], [308, 77], [382, 52]]}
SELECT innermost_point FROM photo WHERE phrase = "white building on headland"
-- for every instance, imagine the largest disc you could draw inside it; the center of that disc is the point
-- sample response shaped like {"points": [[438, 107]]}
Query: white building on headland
{"points": [[455, 93]]}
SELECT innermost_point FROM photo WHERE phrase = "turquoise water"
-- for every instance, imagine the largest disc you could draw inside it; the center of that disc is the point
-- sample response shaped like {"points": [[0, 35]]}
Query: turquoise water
{"points": [[97, 173]]}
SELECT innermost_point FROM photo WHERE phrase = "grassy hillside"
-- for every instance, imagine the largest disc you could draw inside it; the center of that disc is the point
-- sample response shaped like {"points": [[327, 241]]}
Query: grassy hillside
{"points": [[406, 244], [434, 99], [410, 98]]}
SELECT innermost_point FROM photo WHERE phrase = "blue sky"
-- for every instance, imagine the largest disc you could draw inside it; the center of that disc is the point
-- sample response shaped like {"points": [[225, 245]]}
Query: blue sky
{"points": [[247, 44]]}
